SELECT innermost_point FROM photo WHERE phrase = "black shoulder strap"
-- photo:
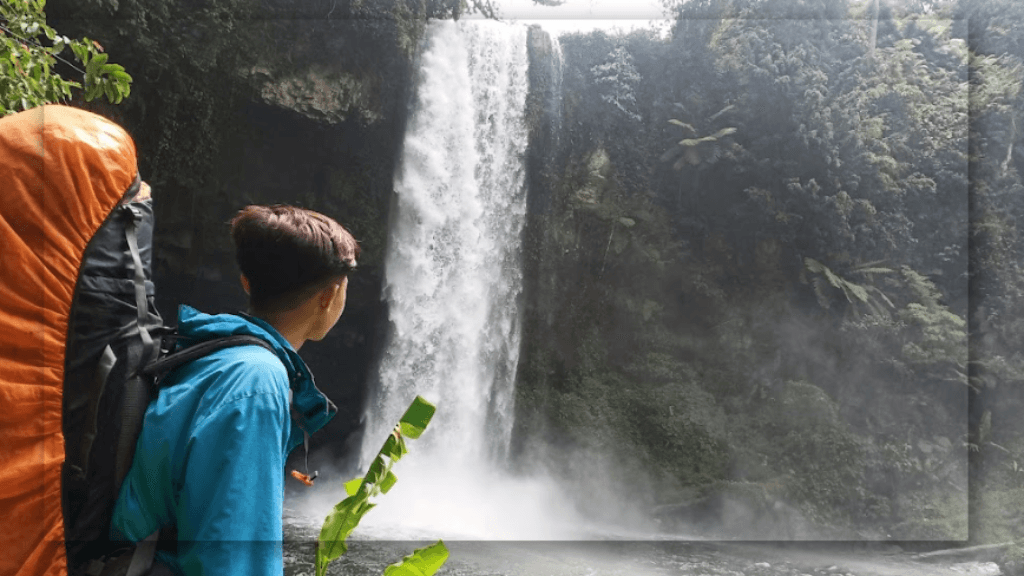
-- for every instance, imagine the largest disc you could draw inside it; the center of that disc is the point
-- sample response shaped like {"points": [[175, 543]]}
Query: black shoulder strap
{"points": [[175, 359], [141, 307]]}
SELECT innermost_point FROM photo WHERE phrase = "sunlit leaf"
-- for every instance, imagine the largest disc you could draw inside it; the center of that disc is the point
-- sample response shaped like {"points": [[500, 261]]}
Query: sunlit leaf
{"points": [[352, 486], [422, 562], [387, 482], [416, 418], [379, 479]]}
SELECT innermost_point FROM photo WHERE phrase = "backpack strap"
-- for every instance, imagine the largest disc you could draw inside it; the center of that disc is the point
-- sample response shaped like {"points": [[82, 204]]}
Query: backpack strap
{"points": [[142, 557], [158, 368], [142, 309], [135, 398]]}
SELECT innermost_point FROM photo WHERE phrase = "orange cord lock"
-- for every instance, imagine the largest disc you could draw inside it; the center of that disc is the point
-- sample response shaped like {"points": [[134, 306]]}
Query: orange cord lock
{"points": [[307, 480]]}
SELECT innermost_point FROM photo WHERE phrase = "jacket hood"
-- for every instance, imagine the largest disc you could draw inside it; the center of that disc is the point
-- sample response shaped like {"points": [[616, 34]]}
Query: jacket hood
{"points": [[311, 409]]}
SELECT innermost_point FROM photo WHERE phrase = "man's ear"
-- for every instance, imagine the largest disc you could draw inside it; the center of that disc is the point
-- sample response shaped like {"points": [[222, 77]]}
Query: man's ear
{"points": [[245, 283], [328, 294]]}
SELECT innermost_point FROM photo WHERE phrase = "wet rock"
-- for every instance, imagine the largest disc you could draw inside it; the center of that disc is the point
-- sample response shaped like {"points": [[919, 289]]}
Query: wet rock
{"points": [[320, 94]]}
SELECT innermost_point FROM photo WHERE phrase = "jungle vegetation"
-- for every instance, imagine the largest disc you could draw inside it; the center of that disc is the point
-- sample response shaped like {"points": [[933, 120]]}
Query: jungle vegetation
{"points": [[773, 235]]}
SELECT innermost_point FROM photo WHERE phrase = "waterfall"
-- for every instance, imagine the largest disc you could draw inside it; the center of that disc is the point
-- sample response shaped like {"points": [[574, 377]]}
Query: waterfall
{"points": [[453, 269], [453, 281]]}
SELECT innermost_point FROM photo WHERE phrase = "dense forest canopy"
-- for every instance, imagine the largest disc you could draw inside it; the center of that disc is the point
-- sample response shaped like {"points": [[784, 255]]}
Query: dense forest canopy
{"points": [[780, 219]]}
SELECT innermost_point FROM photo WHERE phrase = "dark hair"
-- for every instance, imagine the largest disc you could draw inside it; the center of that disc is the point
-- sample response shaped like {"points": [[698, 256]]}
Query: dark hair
{"points": [[289, 253]]}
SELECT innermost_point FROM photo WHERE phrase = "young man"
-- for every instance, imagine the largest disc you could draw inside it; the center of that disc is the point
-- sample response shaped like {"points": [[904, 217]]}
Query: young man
{"points": [[210, 460]]}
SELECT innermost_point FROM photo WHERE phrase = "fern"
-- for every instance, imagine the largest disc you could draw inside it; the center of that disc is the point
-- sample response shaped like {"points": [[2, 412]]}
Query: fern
{"points": [[858, 295]]}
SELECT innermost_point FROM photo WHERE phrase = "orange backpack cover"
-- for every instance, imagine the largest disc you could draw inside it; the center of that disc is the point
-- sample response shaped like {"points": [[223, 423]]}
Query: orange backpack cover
{"points": [[62, 171]]}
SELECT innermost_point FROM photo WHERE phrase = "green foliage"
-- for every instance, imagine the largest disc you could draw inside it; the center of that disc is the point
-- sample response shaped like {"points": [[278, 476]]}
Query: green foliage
{"points": [[30, 51], [938, 337], [695, 149], [422, 562], [935, 518], [844, 138], [379, 479], [995, 81], [410, 16], [866, 295], [813, 444], [997, 513]]}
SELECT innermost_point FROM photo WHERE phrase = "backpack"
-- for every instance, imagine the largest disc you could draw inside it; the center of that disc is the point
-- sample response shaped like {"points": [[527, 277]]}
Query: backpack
{"points": [[82, 346], [63, 174], [118, 350]]}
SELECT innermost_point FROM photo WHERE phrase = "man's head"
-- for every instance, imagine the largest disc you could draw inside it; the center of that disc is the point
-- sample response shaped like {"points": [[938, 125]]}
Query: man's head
{"points": [[287, 255]]}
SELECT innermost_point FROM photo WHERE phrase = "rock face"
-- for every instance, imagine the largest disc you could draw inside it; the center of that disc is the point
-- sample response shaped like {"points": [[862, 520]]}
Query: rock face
{"points": [[322, 95], [315, 121]]}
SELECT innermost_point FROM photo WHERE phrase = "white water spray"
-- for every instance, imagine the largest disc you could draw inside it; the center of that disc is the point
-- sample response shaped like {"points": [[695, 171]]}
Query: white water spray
{"points": [[453, 272], [453, 281]]}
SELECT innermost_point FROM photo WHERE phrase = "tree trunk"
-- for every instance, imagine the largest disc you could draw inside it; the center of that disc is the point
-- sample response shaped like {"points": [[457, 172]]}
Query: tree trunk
{"points": [[874, 33], [1009, 149]]}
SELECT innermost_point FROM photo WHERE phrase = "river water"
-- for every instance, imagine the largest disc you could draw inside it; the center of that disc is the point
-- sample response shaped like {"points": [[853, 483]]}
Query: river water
{"points": [[370, 557]]}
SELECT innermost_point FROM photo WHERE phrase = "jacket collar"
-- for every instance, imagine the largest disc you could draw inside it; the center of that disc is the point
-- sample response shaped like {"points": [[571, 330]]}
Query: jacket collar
{"points": [[311, 408]]}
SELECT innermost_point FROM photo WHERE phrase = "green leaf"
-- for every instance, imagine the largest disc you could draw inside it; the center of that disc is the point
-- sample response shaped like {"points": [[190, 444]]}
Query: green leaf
{"points": [[882, 296], [352, 486], [858, 291], [379, 479], [724, 132], [388, 481], [422, 562], [416, 418], [714, 116], [93, 67], [339, 524], [834, 280], [683, 125], [376, 471], [92, 92], [81, 52], [394, 447]]}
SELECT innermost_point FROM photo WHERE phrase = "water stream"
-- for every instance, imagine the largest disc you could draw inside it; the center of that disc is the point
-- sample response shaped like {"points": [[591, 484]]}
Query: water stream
{"points": [[453, 278], [453, 273]]}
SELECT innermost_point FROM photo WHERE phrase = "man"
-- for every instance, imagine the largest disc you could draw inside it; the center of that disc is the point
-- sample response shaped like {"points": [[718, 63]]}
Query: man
{"points": [[210, 460]]}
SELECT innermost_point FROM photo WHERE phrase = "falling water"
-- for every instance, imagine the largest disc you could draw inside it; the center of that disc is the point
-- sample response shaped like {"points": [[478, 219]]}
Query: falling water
{"points": [[453, 271], [453, 284]]}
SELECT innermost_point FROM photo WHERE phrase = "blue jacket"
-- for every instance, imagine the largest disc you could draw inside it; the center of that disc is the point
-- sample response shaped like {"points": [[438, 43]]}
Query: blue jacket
{"points": [[211, 455]]}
